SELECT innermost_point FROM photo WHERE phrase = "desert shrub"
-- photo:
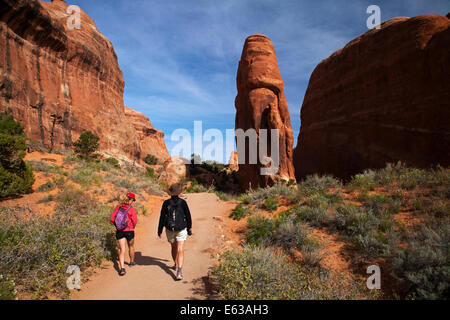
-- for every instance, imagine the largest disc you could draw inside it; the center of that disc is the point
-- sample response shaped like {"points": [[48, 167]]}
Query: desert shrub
{"points": [[224, 196], [86, 144], [261, 194], [363, 182], [313, 184], [16, 177], [85, 176], [52, 184], [74, 201], [381, 203], [371, 233], [113, 162], [292, 235], [240, 212], [317, 216], [260, 229], [196, 187], [438, 209], [140, 209], [150, 172], [47, 198], [35, 251], [262, 273], [271, 204], [424, 263], [7, 289], [150, 159]]}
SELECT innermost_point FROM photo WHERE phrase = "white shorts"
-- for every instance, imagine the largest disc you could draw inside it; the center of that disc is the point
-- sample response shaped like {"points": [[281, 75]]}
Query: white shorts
{"points": [[173, 236]]}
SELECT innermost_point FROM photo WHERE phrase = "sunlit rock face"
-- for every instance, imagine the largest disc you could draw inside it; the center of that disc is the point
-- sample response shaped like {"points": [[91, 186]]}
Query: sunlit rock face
{"points": [[384, 97], [58, 81], [261, 104]]}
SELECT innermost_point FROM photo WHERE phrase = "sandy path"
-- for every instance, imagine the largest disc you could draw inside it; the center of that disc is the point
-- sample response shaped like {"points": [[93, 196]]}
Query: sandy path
{"points": [[152, 278]]}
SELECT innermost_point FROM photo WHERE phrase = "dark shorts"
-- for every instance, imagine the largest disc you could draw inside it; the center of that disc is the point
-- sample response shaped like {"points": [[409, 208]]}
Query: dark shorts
{"points": [[129, 235]]}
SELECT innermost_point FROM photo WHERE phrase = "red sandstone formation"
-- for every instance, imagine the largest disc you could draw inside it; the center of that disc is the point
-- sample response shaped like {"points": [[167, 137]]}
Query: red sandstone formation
{"points": [[59, 82], [382, 98], [261, 104], [174, 169], [151, 140], [233, 162]]}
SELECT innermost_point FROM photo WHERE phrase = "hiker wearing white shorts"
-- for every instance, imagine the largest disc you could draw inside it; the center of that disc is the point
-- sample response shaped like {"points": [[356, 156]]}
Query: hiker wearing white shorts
{"points": [[176, 218]]}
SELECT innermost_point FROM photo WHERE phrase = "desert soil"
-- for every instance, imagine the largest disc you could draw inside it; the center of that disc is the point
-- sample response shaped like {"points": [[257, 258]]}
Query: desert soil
{"points": [[152, 277]]}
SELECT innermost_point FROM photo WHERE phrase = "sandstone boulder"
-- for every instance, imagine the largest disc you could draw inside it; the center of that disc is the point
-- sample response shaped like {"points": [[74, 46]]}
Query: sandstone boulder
{"points": [[261, 104], [384, 97], [174, 169]]}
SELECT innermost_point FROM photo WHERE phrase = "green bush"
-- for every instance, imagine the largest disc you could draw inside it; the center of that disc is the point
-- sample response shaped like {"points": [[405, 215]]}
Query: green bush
{"points": [[35, 251], [16, 177], [372, 233], [261, 273], [292, 235], [260, 229], [113, 162], [86, 144], [424, 263], [150, 159], [52, 184], [196, 187], [150, 172], [7, 289], [271, 204], [85, 176], [240, 212]]}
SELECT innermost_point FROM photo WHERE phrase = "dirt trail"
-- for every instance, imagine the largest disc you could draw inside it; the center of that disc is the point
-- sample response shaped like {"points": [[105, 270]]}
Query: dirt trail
{"points": [[152, 278]]}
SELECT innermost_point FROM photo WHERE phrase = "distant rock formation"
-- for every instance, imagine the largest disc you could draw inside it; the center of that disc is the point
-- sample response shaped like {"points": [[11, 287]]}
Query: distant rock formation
{"points": [[151, 140], [384, 97], [233, 162], [261, 104], [174, 170], [59, 82]]}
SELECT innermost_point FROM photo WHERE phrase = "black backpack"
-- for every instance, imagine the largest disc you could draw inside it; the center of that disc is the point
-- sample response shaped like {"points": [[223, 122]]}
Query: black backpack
{"points": [[175, 219]]}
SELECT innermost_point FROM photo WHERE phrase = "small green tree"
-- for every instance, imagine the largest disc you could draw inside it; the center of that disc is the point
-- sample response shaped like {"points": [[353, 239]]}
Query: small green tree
{"points": [[16, 177], [86, 144], [150, 159]]}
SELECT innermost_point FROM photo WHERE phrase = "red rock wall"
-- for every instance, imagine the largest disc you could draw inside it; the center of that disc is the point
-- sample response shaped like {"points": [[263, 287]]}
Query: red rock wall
{"points": [[49, 72], [382, 98], [261, 104]]}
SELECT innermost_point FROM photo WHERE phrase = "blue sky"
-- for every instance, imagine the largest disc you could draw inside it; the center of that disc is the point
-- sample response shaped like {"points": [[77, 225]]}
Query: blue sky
{"points": [[179, 58]]}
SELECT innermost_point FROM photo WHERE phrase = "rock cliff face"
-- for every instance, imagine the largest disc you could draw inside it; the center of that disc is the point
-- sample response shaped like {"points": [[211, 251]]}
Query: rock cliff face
{"points": [[384, 97], [261, 104], [59, 82]]}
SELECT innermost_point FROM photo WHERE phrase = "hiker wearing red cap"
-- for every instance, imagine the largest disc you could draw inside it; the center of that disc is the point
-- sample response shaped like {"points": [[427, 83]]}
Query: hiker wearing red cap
{"points": [[125, 219]]}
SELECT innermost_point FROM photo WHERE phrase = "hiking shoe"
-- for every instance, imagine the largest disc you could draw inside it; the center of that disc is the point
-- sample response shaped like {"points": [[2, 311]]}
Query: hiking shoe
{"points": [[132, 264], [179, 275], [122, 272]]}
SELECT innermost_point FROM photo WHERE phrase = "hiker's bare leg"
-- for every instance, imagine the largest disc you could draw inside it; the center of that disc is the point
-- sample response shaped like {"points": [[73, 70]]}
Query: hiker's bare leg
{"points": [[122, 247], [174, 251], [180, 254], [131, 249]]}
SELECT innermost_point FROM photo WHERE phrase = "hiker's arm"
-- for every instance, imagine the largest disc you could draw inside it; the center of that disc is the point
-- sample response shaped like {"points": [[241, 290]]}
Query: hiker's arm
{"points": [[161, 219], [188, 216], [133, 217], [113, 215]]}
